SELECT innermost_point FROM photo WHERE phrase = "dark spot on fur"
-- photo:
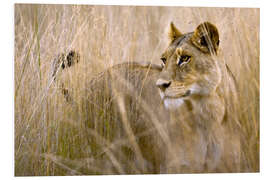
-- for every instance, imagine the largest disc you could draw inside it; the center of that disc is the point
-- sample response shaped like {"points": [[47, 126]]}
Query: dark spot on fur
{"points": [[70, 58], [189, 105], [203, 41], [187, 93], [63, 65]]}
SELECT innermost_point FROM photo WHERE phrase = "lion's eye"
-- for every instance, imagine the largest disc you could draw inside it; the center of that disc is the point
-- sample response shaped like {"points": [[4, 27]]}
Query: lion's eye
{"points": [[183, 59], [163, 59]]}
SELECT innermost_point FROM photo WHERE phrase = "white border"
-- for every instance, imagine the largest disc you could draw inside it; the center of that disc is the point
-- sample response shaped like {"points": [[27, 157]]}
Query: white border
{"points": [[7, 82], [201, 3]]}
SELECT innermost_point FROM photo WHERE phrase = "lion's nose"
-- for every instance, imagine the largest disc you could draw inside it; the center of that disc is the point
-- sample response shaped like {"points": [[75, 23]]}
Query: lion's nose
{"points": [[163, 84]]}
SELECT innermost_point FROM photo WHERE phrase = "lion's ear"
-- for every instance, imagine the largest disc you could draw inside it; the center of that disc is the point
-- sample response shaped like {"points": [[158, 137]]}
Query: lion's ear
{"points": [[174, 33], [206, 38]]}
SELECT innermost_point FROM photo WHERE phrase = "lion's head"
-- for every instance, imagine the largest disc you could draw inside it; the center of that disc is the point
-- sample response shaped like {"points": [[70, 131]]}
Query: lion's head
{"points": [[190, 66]]}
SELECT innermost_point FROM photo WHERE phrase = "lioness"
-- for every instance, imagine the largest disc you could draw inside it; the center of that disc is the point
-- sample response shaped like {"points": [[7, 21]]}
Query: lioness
{"points": [[174, 118], [117, 106], [199, 89]]}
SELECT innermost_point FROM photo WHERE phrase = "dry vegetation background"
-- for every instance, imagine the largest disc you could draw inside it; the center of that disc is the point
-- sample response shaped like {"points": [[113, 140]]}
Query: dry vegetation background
{"points": [[48, 138]]}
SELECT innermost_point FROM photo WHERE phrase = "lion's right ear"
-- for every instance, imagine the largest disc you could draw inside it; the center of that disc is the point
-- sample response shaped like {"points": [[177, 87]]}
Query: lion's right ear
{"points": [[174, 33], [206, 38]]}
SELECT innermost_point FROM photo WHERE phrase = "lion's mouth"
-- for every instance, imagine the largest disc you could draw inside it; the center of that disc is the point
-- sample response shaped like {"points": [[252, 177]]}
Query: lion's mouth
{"points": [[173, 102], [174, 96]]}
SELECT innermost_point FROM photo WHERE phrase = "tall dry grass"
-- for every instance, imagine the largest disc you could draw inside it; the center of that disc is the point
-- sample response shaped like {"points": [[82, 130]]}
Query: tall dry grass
{"points": [[49, 136]]}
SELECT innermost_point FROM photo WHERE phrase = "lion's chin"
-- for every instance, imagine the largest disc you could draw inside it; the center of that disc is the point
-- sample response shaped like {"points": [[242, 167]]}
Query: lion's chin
{"points": [[173, 103]]}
